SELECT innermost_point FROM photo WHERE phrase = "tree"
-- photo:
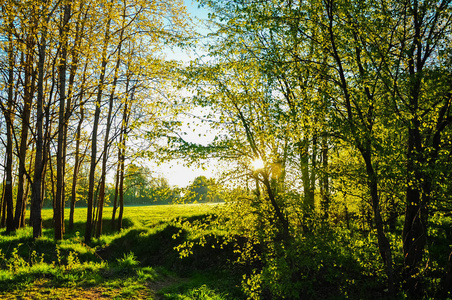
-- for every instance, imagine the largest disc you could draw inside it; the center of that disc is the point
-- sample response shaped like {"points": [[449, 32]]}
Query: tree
{"points": [[28, 92], [108, 126], [40, 157], [422, 100], [52, 54], [100, 87], [135, 19], [62, 124], [331, 74], [199, 190], [8, 113]]}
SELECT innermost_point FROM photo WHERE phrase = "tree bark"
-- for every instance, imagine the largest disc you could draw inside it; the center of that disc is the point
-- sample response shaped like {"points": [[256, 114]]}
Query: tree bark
{"points": [[107, 134], [383, 242], [122, 149], [62, 123], [414, 233], [7, 217], [115, 199], [75, 56], [36, 200], [77, 165], [93, 163], [26, 112], [283, 222], [324, 185], [308, 193]]}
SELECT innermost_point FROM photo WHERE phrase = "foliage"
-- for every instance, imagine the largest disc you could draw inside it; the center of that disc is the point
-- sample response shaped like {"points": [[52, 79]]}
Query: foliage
{"points": [[213, 248], [76, 76], [140, 187], [349, 109], [203, 190]]}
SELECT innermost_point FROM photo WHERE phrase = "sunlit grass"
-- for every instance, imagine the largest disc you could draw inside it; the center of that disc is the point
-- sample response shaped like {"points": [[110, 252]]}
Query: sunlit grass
{"points": [[118, 265], [142, 215]]}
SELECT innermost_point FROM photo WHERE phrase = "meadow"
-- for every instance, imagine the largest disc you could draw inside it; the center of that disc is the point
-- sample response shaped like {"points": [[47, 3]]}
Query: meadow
{"points": [[140, 262]]}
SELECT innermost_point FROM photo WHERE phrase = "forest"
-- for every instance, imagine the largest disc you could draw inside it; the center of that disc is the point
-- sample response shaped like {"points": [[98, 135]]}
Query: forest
{"points": [[330, 121]]}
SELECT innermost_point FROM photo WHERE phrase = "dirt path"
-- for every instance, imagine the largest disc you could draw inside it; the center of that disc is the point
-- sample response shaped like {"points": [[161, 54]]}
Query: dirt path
{"points": [[41, 290]]}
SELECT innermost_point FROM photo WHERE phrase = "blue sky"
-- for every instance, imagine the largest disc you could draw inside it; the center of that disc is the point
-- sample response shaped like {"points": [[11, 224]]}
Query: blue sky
{"points": [[195, 10]]}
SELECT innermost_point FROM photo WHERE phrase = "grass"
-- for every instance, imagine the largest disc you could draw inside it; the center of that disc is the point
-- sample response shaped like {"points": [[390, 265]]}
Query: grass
{"points": [[139, 262], [179, 252], [144, 215]]}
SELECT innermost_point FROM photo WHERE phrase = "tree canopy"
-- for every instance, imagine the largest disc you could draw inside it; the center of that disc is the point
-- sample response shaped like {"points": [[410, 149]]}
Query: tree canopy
{"points": [[348, 104]]}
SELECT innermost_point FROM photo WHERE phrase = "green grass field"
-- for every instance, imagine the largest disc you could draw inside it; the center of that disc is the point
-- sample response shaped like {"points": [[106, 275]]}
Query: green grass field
{"points": [[140, 262]]}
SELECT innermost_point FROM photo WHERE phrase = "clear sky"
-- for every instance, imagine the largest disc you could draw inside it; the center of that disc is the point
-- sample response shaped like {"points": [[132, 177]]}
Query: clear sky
{"points": [[194, 9]]}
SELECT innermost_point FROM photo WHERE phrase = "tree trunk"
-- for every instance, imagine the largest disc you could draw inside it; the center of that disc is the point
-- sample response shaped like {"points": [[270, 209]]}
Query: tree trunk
{"points": [[121, 158], [308, 195], [2, 204], [283, 222], [75, 54], [92, 169], [324, 185], [313, 169], [414, 233], [121, 194], [107, 136], [77, 164], [7, 217], [36, 185], [383, 242], [115, 199], [122, 147], [26, 112], [26, 193], [62, 123]]}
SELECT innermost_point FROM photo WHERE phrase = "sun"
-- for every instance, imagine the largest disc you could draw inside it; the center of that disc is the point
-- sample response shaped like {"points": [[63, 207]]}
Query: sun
{"points": [[257, 164]]}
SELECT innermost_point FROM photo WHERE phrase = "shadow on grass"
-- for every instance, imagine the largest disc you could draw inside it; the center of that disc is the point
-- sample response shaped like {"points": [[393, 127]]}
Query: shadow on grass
{"points": [[158, 248], [150, 248], [203, 218], [129, 256], [206, 270]]}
